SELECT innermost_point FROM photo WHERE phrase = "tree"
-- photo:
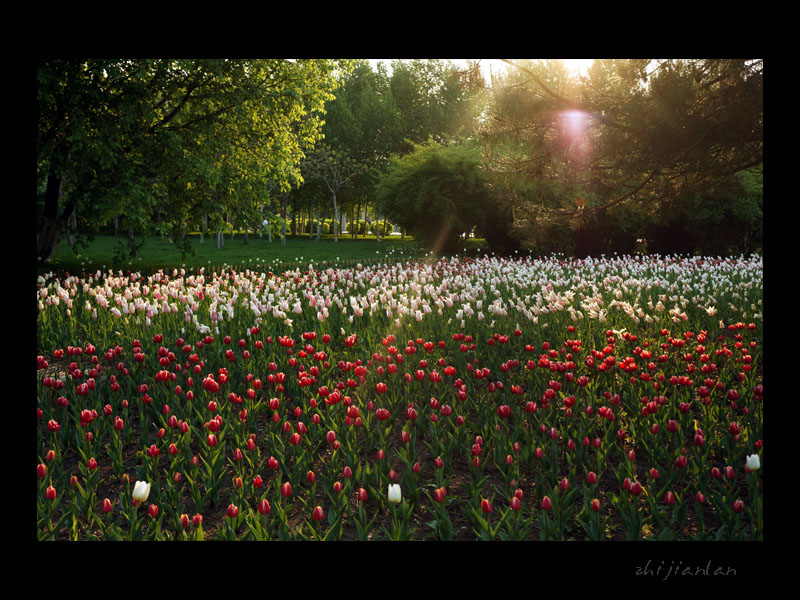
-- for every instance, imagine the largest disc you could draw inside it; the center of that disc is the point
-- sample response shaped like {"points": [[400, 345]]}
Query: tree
{"points": [[437, 192], [433, 101], [335, 169], [633, 131], [362, 127], [121, 137]]}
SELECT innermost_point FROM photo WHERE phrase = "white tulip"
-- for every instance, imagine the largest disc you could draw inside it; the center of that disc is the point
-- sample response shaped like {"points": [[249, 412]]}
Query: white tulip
{"points": [[395, 495], [141, 491], [753, 463]]}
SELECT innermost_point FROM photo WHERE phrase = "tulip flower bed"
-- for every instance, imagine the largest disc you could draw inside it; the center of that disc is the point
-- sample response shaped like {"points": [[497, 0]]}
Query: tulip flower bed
{"points": [[454, 399]]}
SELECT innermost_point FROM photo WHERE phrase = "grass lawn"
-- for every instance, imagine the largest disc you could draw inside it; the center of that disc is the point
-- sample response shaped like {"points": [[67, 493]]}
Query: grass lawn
{"points": [[257, 252]]}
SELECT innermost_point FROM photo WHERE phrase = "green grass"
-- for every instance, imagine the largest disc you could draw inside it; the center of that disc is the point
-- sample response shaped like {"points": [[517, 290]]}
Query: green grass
{"points": [[258, 252]]}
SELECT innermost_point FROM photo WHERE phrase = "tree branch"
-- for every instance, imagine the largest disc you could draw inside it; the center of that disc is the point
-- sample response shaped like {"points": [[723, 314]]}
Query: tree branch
{"points": [[174, 111]]}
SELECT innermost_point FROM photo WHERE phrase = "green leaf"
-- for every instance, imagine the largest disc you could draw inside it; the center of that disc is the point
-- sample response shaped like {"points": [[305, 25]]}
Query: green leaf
{"points": [[666, 535]]}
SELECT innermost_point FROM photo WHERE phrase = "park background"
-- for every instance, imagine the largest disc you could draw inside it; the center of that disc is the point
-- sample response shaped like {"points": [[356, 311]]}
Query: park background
{"points": [[152, 163]]}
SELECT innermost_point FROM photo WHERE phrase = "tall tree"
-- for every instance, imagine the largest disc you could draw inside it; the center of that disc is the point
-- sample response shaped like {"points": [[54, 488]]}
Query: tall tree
{"points": [[334, 169], [434, 100], [116, 137], [362, 128], [631, 131]]}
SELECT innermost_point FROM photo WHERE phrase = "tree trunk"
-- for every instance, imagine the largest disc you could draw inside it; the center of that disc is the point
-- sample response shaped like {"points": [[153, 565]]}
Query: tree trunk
{"points": [[51, 224], [116, 226], [283, 219], [335, 220], [358, 218], [72, 227]]}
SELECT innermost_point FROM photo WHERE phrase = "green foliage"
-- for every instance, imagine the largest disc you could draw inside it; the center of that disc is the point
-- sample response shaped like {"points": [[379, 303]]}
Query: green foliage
{"points": [[386, 227], [725, 220], [433, 101], [437, 192], [652, 150], [170, 141]]}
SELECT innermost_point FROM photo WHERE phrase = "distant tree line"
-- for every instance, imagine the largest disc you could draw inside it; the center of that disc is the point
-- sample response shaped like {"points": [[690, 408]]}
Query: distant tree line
{"points": [[638, 155]]}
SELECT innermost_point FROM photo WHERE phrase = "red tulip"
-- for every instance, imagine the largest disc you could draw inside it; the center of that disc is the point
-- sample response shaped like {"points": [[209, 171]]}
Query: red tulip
{"points": [[546, 504], [318, 514], [263, 507], [486, 506]]}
